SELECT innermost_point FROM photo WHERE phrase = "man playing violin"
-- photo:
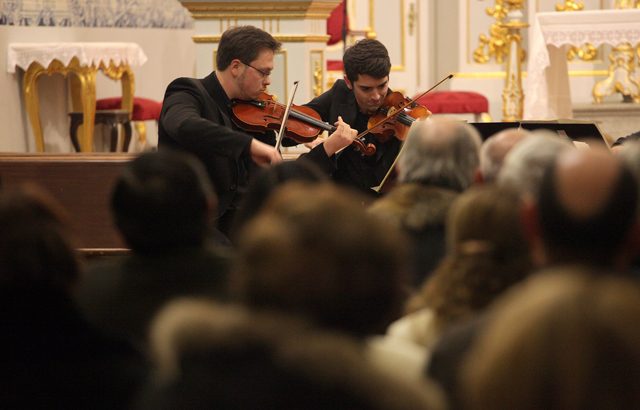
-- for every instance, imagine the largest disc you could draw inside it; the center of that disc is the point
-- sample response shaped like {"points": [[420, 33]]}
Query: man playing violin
{"points": [[356, 98], [197, 117]]}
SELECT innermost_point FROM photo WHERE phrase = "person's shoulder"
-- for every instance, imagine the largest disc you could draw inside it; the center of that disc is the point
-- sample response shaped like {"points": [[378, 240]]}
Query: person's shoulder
{"points": [[102, 274], [340, 86], [183, 83]]}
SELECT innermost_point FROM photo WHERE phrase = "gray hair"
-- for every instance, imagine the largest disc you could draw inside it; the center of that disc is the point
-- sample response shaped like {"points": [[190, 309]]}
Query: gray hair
{"points": [[441, 152], [524, 165]]}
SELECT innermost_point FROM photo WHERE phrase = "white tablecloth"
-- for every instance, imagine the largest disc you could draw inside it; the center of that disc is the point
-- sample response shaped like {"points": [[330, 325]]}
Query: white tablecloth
{"points": [[547, 92], [23, 54]]}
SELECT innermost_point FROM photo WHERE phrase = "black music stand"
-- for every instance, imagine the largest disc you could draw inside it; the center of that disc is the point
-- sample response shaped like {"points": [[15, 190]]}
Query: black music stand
{"points": [[582, 131]]}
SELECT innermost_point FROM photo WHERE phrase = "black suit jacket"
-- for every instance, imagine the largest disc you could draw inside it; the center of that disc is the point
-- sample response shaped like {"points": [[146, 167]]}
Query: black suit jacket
{"points": [[122, 295], [196, 117], [353, 168]]}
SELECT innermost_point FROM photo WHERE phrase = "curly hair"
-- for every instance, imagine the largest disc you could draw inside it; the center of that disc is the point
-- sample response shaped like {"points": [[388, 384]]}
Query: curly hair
{"points": [[486, 254], [369, 57]]}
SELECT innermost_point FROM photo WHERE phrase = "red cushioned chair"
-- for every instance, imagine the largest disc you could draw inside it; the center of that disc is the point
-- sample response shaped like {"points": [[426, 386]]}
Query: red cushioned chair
{"points": [[457, 102], [144, 109]]}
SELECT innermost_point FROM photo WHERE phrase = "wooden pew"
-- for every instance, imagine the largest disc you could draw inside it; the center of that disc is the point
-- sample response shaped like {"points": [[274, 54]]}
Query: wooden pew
{"points": [[82, 184]]}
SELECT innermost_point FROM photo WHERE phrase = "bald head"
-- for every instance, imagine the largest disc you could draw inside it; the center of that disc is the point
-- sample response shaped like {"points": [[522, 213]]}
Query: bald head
{"points": [[495, 149], [585, 181], [586, 207]]}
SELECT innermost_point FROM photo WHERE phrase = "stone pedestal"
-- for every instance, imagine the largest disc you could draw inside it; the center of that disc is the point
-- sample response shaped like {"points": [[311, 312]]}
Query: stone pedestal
{"points": [[615, 119]]}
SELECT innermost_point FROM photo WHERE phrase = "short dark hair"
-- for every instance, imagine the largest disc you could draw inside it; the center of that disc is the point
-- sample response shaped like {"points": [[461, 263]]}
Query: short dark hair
{"points": [[162, 201], [243, 43], [367, 56], [596, 239]]}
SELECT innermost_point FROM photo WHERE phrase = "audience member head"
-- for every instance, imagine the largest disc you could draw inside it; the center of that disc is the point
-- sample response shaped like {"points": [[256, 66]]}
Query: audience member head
{"points": [[622, 141], [629, 152], [211, 356], [586, 212], [366, 57], [163, 201], [35, 247], [315, 252], [525, 163], [268, 180], [243, 43], [562, 341], [494, 150], [486, 254], [440, 152]]}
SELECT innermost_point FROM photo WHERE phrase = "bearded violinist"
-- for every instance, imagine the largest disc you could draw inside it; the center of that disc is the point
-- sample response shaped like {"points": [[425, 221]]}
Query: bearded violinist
{"points": [[356, 98], [197, 117]]}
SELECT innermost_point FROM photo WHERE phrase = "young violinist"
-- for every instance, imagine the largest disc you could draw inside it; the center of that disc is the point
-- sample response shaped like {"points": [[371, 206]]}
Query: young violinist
{"points": [[197, 117], [356, 98]]}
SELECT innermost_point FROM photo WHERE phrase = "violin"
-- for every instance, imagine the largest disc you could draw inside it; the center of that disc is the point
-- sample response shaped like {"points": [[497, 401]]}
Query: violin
{"points": [[396, 116], [386, 123], [264, 113]]}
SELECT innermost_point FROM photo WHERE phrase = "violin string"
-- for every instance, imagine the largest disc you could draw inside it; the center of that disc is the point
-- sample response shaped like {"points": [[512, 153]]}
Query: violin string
{"points": [[312, 121]]}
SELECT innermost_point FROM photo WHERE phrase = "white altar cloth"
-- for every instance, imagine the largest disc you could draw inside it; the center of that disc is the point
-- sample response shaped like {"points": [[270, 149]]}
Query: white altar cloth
{"points": [[547, 93], [88, 54]]}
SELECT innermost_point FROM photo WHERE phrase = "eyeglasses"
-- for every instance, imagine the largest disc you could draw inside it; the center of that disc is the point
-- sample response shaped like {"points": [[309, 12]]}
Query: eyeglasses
{"points": [[263, 73]]}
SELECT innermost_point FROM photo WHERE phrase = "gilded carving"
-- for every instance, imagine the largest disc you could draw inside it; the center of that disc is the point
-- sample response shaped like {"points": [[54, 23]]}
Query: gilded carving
{"points": [[317, 78], [570, 5], [587, 52], [627, 4], [621, 76], [512, 93], [495, 45], [411, 18]]}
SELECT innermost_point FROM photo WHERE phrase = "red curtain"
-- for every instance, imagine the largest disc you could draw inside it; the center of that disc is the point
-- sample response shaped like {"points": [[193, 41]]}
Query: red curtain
{"points": [[336, 23]]}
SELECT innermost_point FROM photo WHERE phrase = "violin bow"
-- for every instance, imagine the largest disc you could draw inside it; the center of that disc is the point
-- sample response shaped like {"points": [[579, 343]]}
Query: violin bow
{"points": [[285, 117]]}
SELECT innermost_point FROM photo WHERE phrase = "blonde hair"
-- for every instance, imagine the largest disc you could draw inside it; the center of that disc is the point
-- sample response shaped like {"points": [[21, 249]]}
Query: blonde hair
{"points": [[486, 254]]}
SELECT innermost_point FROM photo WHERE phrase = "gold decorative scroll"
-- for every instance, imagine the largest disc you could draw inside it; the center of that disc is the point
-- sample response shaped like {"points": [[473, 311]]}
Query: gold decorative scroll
{"points": [[495, 45], [586, 52], [570, 5], [627, 4]]}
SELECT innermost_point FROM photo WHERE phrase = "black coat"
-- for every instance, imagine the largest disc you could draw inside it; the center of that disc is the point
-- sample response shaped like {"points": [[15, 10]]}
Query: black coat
{"points": [[353, 168], [196, 117], [122, 295], [53, 359]]}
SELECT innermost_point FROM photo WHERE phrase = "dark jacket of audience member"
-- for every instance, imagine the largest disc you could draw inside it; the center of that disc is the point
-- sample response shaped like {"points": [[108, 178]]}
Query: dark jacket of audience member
{"points": [[210, 356], [51, 357], [267, 180], [163, 204], [439, 160]]}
